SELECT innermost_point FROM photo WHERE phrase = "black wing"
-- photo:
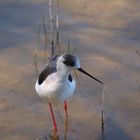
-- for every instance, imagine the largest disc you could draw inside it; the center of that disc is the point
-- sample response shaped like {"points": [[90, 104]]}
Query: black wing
{"points": [[50, 68]]}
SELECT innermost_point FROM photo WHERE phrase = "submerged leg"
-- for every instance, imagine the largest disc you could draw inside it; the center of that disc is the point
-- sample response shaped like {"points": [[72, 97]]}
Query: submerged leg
{"points": [[53, 118]]}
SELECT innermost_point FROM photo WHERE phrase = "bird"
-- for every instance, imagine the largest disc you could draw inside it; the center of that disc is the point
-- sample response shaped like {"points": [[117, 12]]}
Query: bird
{"points": [[56, 83]]}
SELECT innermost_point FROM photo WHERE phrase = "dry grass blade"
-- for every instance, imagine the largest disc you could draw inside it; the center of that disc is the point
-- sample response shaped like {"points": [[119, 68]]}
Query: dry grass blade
{"points": [[52, 47], [139, 89], [68, 47], [35, 55], [36, 62], [138, 53], [57, 15], [51, 17], [57, 41], [51, 24], [38, 34], [102, 112], [57, 26], [74, 50], [46, 39]]}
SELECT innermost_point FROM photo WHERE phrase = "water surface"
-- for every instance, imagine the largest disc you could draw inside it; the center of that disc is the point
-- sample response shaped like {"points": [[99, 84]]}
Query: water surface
{"points": [[106, 35]]}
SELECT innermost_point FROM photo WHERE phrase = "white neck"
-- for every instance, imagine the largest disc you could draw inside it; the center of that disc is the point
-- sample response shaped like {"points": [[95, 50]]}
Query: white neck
{"points": [[62, 70]]}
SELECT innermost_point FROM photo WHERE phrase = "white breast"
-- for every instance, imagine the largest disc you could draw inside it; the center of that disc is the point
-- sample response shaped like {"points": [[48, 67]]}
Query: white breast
{"points": [[55, 89]]}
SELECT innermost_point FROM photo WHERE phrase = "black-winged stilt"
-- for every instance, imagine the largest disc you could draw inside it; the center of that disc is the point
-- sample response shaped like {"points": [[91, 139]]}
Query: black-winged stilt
{"points": [[55, 83]]}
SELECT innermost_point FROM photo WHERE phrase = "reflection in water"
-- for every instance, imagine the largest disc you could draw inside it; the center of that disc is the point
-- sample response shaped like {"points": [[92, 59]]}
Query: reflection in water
{"points": [[50, 137], [54, 135], [102, 122], [66, 121], [66, 128]]}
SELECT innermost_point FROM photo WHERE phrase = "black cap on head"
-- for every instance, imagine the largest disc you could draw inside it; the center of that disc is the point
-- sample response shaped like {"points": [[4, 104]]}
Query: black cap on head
{"points": [[69, 60]]}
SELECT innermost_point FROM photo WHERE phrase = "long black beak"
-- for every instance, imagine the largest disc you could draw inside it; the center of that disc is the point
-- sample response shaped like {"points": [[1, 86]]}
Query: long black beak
{"points": [[83, 71]]}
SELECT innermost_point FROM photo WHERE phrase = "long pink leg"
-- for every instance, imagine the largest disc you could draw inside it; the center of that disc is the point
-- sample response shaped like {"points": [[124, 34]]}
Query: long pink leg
{"points": [[53, 118]]}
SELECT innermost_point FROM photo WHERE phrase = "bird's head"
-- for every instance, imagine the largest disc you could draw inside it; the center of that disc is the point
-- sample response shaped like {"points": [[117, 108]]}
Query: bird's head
{"points": [[72, 61]]}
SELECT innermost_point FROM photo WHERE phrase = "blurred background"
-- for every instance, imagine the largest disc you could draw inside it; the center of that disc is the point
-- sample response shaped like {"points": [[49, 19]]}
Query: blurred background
{"points": [[106, 35]]}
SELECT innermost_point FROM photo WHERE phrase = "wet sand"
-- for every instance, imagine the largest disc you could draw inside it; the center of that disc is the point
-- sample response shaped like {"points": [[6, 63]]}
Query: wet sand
{"points": [[106, 35]]}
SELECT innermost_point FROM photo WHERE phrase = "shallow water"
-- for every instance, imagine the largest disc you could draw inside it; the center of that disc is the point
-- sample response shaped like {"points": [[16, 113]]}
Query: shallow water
{"points": [[106, 36]]}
